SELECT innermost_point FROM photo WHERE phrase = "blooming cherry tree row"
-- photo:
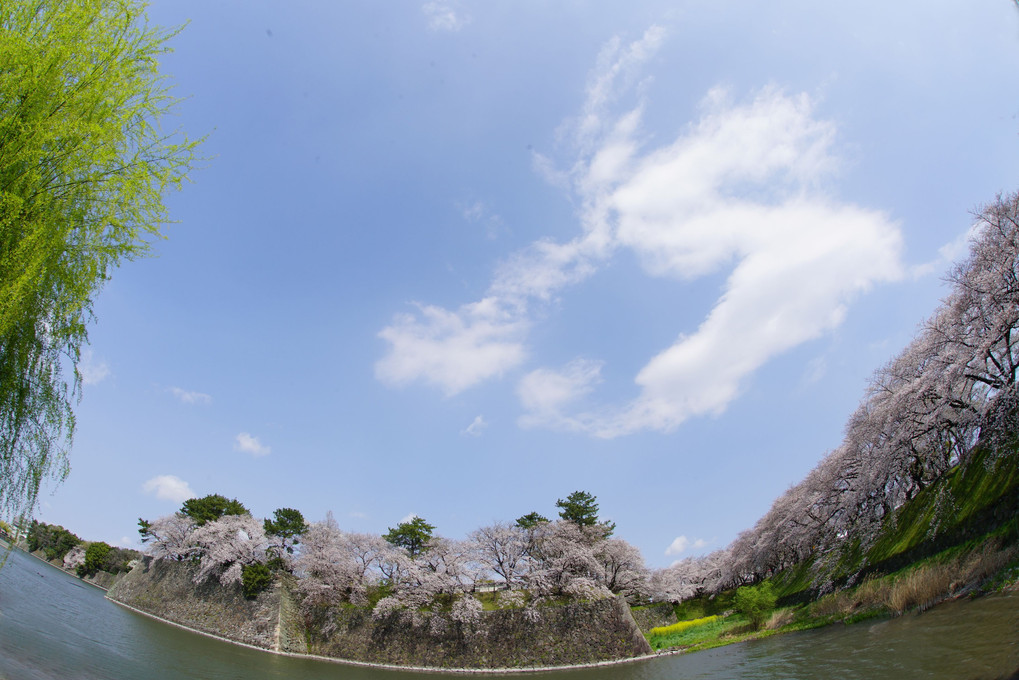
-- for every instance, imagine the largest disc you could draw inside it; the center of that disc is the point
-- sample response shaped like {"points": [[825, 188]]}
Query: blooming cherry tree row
{"points": [[526, 563], [953, 387]]}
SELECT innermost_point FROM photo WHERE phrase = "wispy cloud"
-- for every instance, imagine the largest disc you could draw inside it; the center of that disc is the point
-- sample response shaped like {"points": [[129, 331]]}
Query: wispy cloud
{"points": [[445, 15], [476, 427], [948, 254], [246, 443], [478, 213], [816, 369], [546, 394], [168, 488], [740, 190], [189, 397], [91, 369], [618, 68]]}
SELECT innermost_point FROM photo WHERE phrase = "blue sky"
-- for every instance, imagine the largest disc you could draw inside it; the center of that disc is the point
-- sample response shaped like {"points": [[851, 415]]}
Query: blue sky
{"points": [[460, 259]]}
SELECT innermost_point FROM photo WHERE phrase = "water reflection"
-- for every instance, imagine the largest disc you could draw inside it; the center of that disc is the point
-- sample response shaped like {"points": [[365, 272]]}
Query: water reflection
{"points": [[54, 626]]}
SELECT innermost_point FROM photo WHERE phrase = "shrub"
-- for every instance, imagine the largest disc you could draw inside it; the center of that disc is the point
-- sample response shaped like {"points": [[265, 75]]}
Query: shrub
{"points": [[255, 578], [278, 564], [755, 603], [120, 559], [95, 558]]}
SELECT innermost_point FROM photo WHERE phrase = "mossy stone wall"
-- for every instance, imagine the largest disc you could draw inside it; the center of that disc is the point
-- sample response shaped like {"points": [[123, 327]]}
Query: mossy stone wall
{"points": [[165, 589], [581, 633]]}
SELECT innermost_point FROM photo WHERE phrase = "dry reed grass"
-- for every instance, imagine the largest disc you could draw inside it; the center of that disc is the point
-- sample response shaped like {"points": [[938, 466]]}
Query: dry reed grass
{"points": [[920, 588], [929, 584], [837, 604], [779, 618]]}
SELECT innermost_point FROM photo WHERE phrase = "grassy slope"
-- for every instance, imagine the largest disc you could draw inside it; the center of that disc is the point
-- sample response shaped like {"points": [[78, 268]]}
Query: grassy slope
{"points": [[972, 503], [962, 530]]}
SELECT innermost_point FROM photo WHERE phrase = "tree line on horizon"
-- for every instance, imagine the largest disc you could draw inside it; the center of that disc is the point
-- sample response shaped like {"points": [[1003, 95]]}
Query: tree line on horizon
{"points": [[84, 558]]}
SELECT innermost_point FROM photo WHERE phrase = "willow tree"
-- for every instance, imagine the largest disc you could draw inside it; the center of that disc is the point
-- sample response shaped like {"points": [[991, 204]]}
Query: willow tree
{"points": [[84, 166]]}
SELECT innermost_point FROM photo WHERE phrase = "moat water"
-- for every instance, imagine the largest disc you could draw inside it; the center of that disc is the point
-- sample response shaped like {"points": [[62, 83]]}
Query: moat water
{"points": [[53, 626]]}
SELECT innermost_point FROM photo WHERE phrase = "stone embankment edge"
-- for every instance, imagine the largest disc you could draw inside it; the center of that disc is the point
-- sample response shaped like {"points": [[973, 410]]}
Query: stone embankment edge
{"points": [[394, 667]]}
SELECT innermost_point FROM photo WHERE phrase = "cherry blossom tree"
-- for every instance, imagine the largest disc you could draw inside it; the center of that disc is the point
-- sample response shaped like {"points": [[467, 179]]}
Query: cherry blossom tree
{"points": [[922, 414], [170, 537], [621, 568], [329, 571], [441, 567], [228, 544], [74, 558], [562, 562], [451, 566], [985, 300], [365, 552], [504, 549]]}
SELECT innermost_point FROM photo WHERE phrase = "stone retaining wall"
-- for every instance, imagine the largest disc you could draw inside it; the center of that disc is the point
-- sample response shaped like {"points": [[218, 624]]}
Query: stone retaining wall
{"points": [[654, 616], [581, 633], [165, 589]]}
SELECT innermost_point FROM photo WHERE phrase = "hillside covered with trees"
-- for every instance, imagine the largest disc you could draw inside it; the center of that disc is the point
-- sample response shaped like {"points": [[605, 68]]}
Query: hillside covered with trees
{"points": [[928, 458]]}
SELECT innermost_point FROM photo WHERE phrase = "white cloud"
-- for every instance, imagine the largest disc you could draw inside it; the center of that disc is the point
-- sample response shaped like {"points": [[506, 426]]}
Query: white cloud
{"points": [[678, 546], [246, 443], [681, 544], [452, 350], [409, 518], [445, 15], [476, 427], [92, 370], [738, 191], [188, 397], [790, 287], [168, 488]]}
